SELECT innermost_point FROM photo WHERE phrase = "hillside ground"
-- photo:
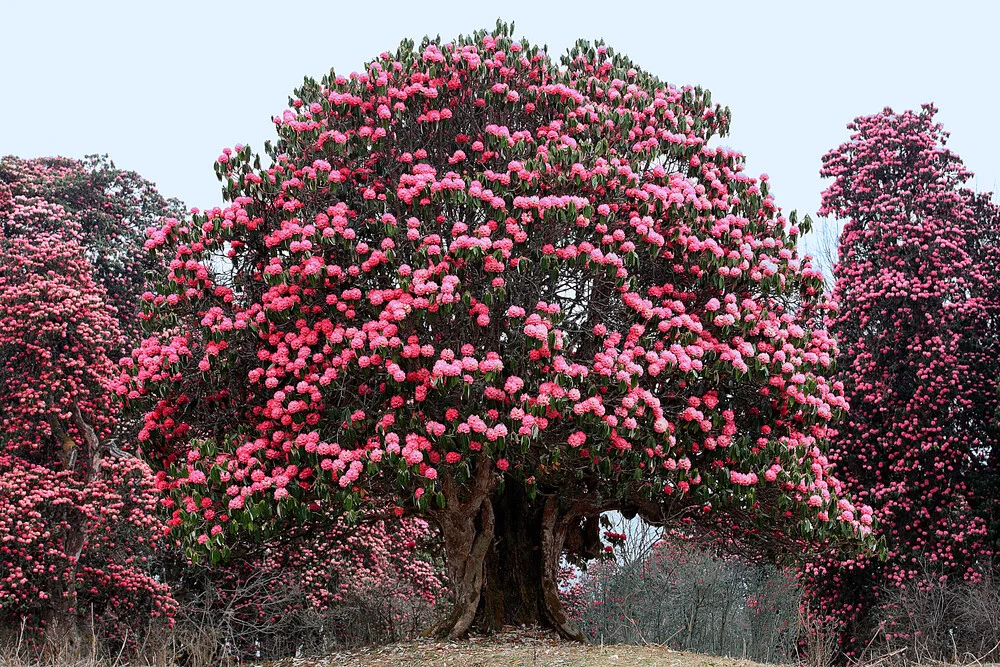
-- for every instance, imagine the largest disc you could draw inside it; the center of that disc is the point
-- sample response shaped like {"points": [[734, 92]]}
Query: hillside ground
{"points": [[527, 648]]}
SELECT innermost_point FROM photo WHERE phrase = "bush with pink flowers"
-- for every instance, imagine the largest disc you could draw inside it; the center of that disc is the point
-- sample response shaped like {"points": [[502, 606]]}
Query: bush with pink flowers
{"points": [[372, 583]]}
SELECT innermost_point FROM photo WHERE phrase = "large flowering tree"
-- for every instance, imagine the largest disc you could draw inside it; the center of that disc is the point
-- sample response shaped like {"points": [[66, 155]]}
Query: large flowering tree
{"points": [[76, 526], [917, 281], [502, 292]]}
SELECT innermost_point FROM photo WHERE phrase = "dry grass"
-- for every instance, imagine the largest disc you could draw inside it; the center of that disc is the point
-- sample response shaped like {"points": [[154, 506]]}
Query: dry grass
{"points": [[516, 647], [528, 648]]}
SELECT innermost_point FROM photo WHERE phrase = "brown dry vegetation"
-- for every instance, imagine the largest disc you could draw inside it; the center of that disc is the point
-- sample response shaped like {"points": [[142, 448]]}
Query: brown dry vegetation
{"points": [[529, 648], [514, 647]]}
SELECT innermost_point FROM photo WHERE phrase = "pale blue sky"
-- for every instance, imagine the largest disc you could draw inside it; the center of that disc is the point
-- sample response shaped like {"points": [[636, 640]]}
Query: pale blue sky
{"points": [[164, 86]]}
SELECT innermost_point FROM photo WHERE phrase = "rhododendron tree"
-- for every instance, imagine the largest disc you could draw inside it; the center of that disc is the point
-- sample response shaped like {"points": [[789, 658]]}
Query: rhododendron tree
{"points": [[503, 292], [113, 208], [76, 527], [391, 557], [917, 282]]}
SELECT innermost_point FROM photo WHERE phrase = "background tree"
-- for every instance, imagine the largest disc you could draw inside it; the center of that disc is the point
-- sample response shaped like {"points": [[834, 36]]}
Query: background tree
{"points": [[502, 292], [113, 208], [681, 591], [916, 281], [76, 528]]}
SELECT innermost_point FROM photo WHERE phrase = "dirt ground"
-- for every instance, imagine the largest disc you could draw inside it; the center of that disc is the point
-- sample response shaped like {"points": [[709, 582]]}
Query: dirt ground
{"points": [[527, 648]]}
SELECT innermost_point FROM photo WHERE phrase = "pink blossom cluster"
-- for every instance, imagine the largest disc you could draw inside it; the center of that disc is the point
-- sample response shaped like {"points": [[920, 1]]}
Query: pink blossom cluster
{"points": [[55, 327]]}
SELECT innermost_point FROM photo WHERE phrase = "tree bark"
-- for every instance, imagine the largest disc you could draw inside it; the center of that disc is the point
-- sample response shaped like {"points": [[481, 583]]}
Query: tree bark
{"points": [[521, 569], [63, 633], [466, 544], [504, 551], [467, 526]]}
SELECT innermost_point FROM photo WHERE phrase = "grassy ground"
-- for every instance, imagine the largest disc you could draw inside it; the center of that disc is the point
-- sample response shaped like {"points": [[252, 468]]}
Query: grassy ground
{"points": [[520, 647]]}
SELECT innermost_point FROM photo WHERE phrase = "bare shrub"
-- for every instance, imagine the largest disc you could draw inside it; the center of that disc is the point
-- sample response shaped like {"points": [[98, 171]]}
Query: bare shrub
{"points": [[819, 640], [269, 614], [936, 618], [258, 615], [679, 593]]}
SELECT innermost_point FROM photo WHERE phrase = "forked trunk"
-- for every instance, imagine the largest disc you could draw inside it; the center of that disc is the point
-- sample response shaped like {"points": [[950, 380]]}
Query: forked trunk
{"points": [[514, 582], [521, 586]]}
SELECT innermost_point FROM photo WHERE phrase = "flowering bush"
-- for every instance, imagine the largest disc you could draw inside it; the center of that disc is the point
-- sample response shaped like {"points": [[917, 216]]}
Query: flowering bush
{"points": [[504, 293], [917, 281], [377, 558], [80, 550], [371, 583]]}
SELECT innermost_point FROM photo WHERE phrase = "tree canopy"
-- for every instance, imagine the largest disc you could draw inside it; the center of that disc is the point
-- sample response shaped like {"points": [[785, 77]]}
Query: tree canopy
{"points": [[917, 282]]}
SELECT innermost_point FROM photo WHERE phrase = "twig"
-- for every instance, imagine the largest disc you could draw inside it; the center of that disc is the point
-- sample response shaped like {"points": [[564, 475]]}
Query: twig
{"points": [[122, 649], [886, 657], [20, 636], [978, 660]]}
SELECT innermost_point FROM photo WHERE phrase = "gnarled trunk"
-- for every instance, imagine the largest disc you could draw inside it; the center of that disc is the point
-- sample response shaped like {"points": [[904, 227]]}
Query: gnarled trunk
{"points": [[514, 580], [467, 540], [63, 633], [467, 526]]}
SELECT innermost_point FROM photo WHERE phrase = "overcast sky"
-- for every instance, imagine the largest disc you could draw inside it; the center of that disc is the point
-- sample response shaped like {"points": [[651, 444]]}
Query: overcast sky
{"points": [[163, 86]]}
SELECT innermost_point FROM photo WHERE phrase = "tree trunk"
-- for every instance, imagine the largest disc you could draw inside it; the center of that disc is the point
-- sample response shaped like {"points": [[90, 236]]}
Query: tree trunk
{"points": [[64, 640], [63, 632], [467, 540], [512, 591], [467, 526], [504, 552], [521, 569]]}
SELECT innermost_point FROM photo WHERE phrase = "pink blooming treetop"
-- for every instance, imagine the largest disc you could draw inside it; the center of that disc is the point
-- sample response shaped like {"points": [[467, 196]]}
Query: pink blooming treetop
{"points": [[917, 281], [56, 331], [504, 292], [112, 207]]}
